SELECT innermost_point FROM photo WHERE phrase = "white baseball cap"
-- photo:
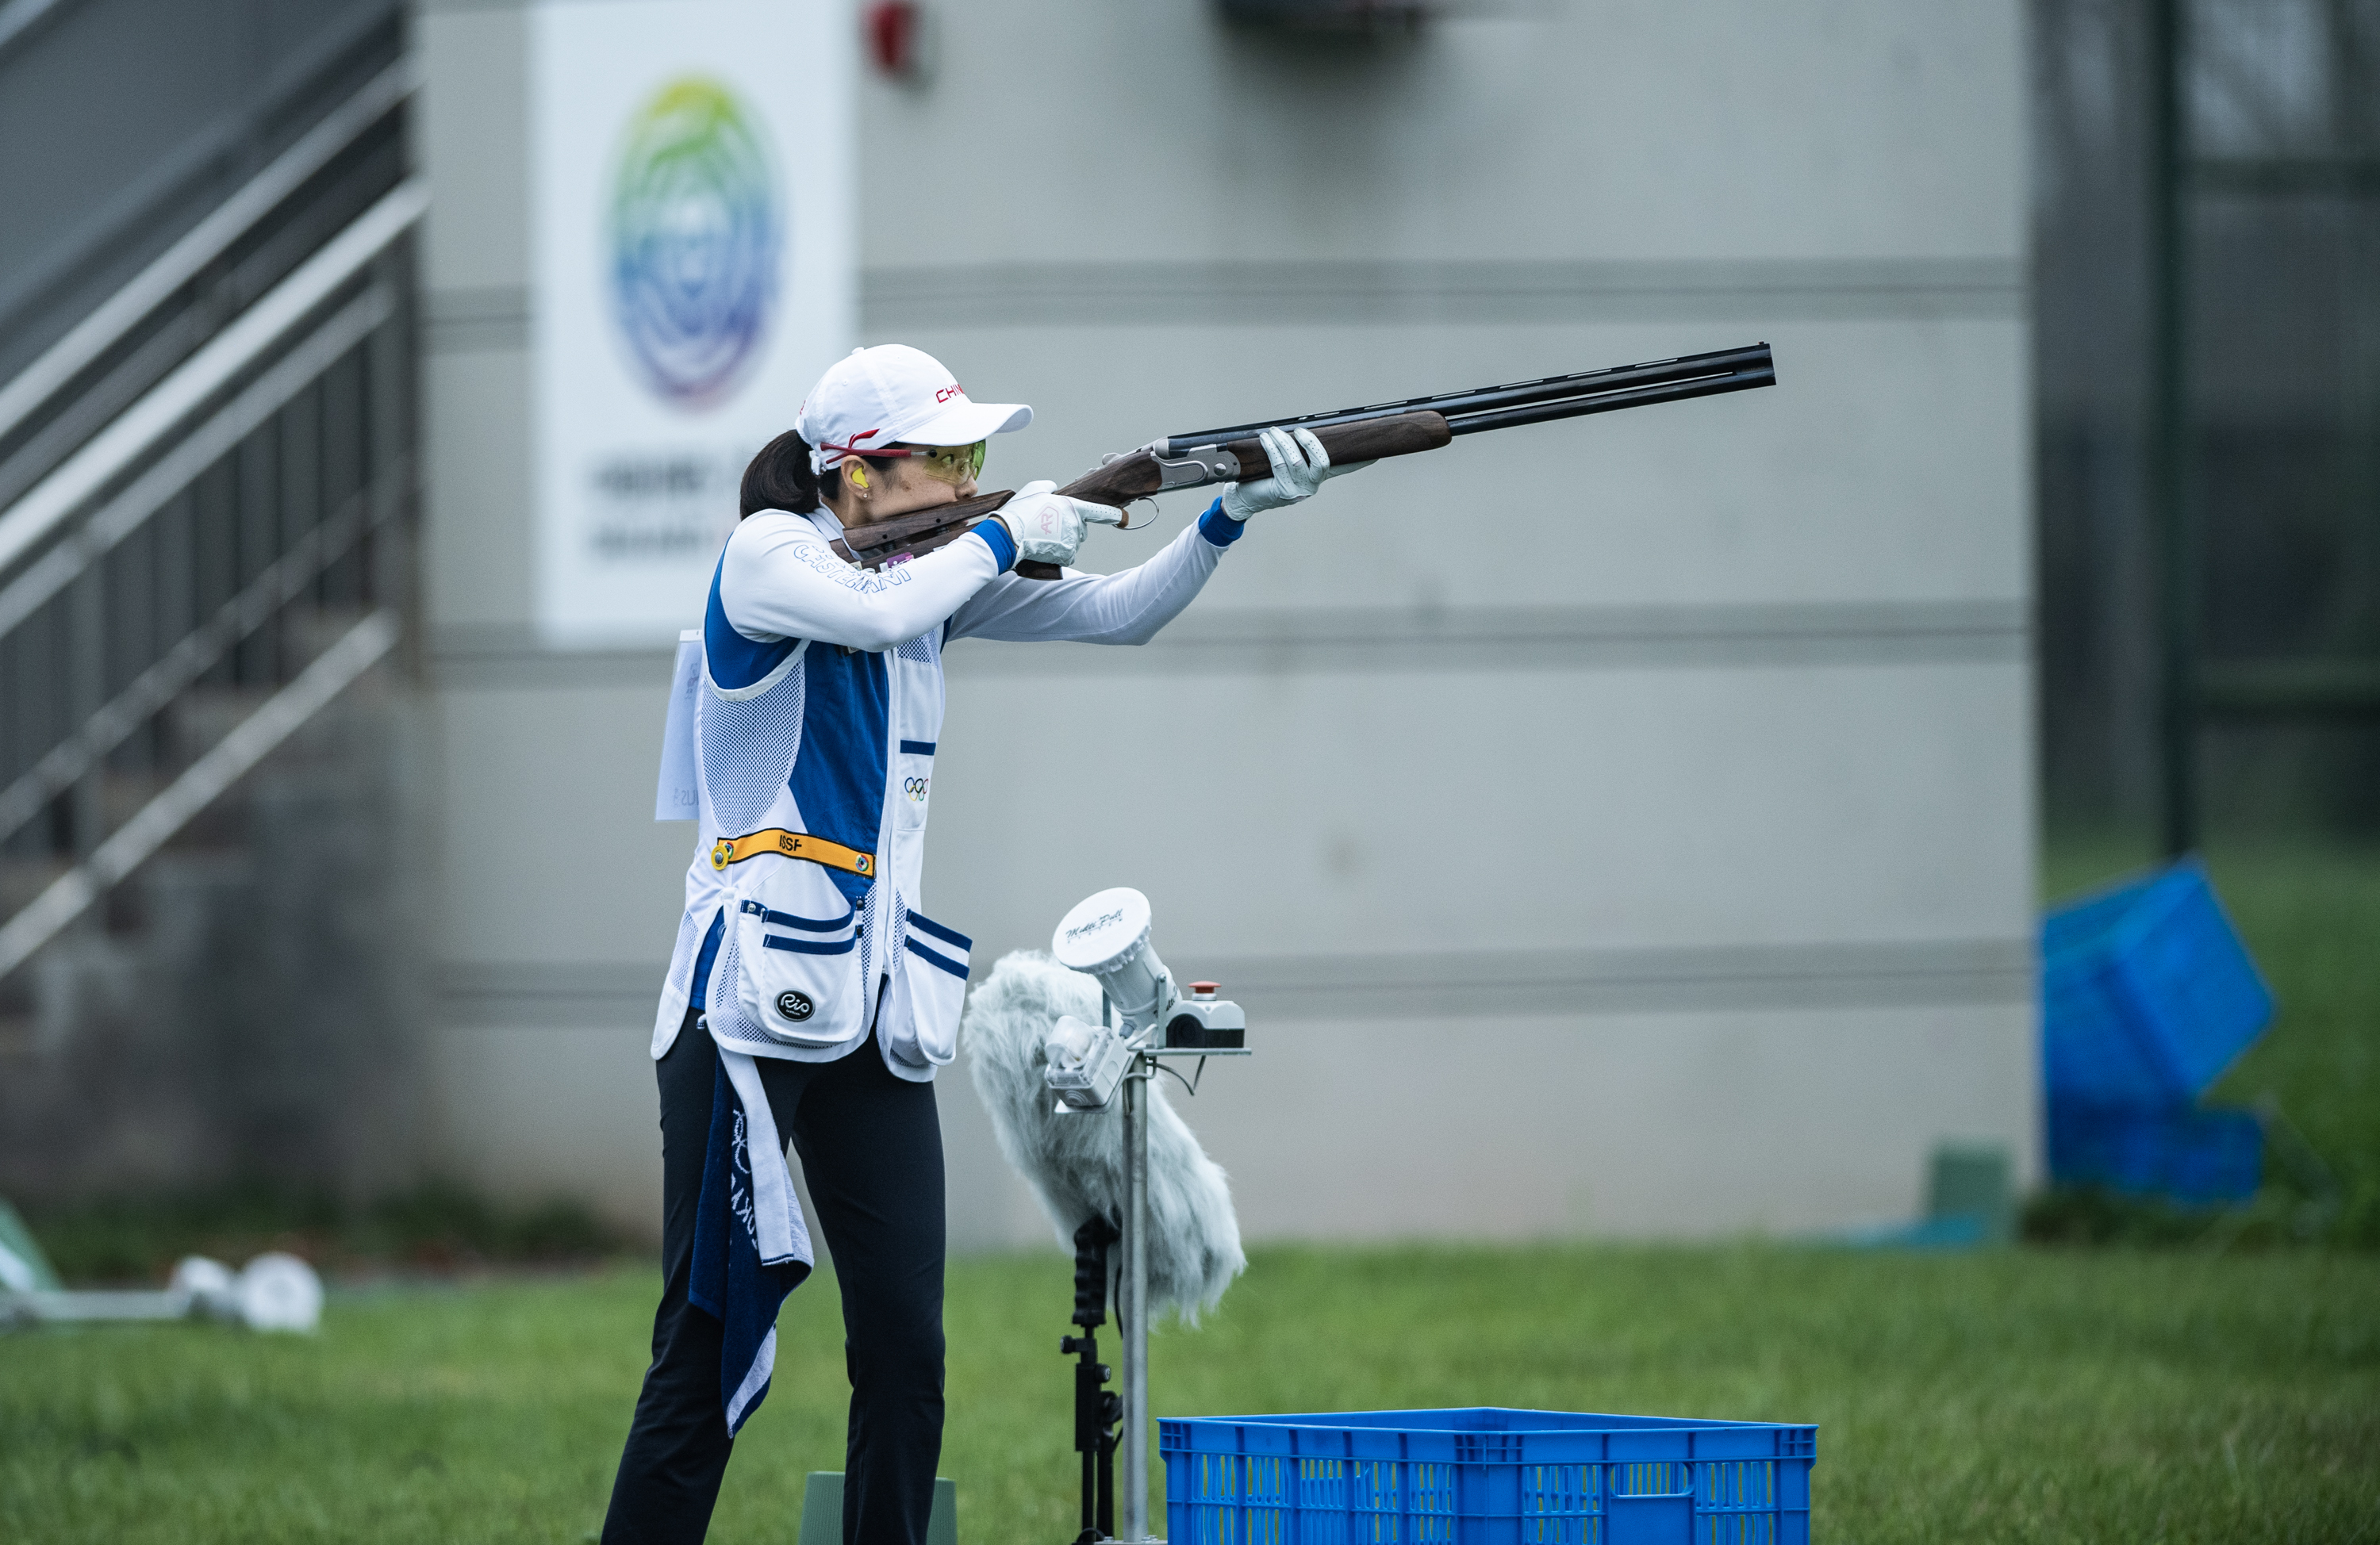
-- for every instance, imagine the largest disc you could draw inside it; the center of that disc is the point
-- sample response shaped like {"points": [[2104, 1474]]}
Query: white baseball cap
{"points": [[872, 399]]}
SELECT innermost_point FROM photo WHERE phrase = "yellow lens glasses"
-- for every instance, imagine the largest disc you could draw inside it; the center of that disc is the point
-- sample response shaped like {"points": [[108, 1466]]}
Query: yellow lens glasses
{"points": [[949, 464]]}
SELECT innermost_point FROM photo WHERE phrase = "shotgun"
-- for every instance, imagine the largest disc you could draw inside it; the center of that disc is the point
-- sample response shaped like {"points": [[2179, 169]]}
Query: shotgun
{"points": [[1355, 434]]}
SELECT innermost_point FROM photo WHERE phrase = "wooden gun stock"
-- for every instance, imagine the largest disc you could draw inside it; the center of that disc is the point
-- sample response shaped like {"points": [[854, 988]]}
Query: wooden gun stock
{"points": [[913, 536], [1137, 476]]}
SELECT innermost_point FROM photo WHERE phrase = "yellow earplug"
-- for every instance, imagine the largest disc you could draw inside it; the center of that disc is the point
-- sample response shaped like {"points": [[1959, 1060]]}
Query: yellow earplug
{"points": [[858, 477]]}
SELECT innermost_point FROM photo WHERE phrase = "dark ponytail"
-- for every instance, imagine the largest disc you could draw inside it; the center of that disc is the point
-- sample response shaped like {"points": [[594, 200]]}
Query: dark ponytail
{"points": [[779, 477]]}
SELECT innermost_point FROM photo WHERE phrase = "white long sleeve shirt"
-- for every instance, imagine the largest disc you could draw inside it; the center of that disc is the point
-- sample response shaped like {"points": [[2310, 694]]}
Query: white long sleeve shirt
{"points": [[782, 580]]}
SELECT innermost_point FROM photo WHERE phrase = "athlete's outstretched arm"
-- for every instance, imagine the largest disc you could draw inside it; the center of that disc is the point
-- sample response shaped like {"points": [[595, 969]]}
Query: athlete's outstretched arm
{"points": [[779, 579], [1126, 607]]}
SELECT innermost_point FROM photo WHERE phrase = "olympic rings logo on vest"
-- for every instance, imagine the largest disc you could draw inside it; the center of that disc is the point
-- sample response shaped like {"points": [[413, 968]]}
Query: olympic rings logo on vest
{"points": [[915, 789]]}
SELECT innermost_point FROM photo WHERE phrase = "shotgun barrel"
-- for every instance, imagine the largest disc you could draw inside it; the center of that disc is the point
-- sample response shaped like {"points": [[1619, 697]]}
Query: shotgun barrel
{"points": [[1535, 401]]}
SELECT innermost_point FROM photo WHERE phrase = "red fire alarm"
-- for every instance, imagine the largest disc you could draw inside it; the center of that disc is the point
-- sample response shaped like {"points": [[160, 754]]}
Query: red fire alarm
{"points": [[899, 39]]}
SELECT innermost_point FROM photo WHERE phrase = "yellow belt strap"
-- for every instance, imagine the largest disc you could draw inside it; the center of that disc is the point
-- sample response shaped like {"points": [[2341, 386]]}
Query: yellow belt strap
{"points": [[790, 844]]}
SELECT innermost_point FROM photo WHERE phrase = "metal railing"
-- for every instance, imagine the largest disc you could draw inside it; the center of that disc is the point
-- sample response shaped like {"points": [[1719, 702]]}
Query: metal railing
{"points": [[189, 576]]}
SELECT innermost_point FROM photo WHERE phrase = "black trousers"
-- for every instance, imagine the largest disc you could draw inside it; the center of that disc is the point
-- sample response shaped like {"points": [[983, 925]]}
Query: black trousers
{"points": [[871, 1149]]}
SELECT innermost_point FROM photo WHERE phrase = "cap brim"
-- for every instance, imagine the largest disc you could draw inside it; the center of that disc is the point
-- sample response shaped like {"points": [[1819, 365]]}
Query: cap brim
{"points": [[964, 423]]}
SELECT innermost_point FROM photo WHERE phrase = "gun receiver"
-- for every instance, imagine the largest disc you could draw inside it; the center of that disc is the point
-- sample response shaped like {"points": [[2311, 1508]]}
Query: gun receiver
{"points": [[1357, 434]]}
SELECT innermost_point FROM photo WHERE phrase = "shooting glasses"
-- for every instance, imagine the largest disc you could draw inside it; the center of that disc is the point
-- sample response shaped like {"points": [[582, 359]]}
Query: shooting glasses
{"points": [[946, 463]]}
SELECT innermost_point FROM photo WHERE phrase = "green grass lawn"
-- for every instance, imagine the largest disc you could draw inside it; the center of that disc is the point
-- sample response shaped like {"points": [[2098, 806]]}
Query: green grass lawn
{"points": [[2189, 1394], [2016, 1394]]}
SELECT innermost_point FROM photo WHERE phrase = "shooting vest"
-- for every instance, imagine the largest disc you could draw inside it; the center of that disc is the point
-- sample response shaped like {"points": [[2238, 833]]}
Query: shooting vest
{"points": [[814, 765]]}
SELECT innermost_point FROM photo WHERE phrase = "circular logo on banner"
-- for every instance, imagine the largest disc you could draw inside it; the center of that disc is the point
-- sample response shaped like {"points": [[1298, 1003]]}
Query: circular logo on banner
{"points": [[793, 1005], [696, 231]]}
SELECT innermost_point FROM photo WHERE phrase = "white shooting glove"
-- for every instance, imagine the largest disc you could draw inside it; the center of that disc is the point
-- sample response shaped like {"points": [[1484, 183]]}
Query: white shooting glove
{"points": [[1049, 527], [1300, 465]]}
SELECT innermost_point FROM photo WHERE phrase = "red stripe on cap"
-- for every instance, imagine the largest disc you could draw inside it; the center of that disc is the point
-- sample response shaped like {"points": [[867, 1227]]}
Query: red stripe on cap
{"points": [[853, 448]]}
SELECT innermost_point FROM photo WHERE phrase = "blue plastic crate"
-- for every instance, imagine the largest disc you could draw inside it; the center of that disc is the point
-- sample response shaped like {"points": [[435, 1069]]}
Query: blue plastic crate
{"points": [[2178, 1152], [1484, 1475], [2147, 993]]}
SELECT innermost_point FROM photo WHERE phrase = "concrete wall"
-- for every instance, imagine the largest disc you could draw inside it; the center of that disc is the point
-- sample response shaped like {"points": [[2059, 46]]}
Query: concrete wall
{"points": [[248, 1010], [1622, 825]]}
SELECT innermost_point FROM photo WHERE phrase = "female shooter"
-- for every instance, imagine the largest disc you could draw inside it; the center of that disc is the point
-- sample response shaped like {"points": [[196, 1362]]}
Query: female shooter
{"points": [[809, 996]]}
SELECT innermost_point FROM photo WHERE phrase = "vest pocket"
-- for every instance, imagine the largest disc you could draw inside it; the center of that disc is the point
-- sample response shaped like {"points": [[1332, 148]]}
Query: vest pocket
{"points": [[933, 974], [797, 942]]}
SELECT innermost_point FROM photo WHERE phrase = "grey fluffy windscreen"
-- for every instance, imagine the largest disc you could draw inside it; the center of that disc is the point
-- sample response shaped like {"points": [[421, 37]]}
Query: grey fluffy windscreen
{"points": [[1074, 1162]]}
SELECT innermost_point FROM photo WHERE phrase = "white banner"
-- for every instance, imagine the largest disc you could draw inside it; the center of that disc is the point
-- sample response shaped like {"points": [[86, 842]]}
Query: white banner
{"points": [[695, 271]]}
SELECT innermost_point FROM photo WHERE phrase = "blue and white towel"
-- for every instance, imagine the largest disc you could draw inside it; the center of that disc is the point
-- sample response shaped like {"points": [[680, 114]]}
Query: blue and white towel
{"points": [[751, 1246]]}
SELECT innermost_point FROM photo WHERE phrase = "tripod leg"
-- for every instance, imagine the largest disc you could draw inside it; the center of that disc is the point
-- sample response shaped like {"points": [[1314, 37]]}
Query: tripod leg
{"points": [[1107, 1484]]}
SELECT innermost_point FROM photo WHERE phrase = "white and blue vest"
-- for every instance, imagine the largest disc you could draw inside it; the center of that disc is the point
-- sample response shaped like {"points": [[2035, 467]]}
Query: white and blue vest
{"points": [[788, 958]]}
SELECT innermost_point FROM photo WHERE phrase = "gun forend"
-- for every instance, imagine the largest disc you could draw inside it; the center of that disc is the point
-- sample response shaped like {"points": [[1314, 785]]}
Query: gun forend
{"points": [[1144, 472]]}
